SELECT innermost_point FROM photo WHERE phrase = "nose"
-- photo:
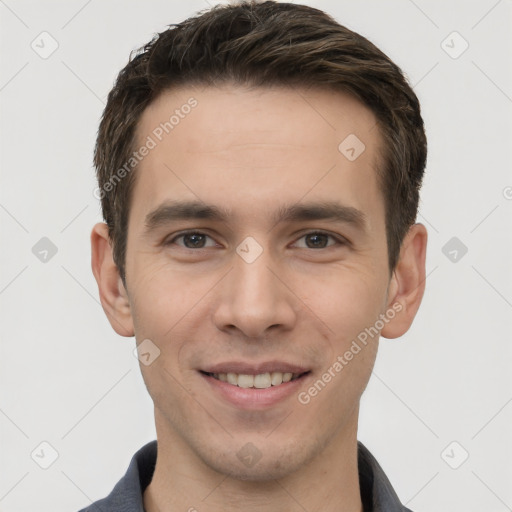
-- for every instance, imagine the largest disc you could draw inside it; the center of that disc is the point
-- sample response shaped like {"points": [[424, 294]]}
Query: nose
{"points": [[252, 299]]}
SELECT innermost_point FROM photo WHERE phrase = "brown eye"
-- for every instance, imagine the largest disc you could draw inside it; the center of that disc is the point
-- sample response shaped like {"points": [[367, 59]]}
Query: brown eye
{"points": [[318, 240], [192, 240]]}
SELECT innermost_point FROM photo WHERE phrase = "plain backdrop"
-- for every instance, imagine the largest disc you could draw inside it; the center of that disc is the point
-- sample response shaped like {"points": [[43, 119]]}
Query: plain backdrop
{"points": [[438, 410]]}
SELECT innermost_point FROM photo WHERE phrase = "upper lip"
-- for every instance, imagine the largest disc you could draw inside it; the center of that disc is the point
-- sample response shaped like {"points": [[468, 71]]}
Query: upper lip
{"points": [[245, 368]]}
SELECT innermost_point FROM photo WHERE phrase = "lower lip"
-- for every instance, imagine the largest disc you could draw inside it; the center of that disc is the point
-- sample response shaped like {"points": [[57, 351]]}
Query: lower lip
{"points": [[254, 398]]}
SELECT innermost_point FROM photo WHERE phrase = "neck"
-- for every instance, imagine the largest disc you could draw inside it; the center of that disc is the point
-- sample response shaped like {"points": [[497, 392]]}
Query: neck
{"points": [[183, 482]]}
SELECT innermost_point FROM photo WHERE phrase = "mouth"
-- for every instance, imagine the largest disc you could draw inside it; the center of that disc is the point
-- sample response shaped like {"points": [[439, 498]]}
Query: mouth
{"points": [[258, 381], [254, 386]]}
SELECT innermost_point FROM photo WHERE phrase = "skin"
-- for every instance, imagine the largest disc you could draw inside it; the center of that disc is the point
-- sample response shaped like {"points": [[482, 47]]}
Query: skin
{"points": [[251, 152]]}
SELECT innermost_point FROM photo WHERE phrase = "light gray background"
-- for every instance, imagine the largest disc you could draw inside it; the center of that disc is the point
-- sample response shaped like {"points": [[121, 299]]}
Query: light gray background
{"points": [[67, 378]]}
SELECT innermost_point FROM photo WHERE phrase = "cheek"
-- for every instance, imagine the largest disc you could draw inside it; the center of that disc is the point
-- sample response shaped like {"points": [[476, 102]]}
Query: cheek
{"points": [[349, 307], [162, 300], [347, 301], [162, 303]]}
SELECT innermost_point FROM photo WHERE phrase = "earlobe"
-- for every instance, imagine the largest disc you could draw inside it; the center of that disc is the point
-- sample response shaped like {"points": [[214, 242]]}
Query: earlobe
{"points": [[113, 296], [407, 284]]}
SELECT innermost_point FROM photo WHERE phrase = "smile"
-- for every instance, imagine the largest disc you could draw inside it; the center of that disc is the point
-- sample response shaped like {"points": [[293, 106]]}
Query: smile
{"points": [[254, 385], [259, 381]]}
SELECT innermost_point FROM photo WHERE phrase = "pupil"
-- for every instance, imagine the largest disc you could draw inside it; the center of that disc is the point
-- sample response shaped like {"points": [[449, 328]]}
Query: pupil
{"points": [[317, 240], [194, 240]]}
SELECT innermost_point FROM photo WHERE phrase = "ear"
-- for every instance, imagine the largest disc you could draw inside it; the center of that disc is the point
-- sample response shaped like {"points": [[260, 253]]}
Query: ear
{"points": [[407, 284], [113, 295]]}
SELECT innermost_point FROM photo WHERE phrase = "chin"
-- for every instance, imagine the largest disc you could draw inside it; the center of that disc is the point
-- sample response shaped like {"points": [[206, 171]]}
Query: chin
{"points": [[261, 472], [271, 462]]}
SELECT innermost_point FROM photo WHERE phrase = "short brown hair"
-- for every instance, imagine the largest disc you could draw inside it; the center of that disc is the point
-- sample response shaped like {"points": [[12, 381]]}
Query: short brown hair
{"points": [[265, 44]]}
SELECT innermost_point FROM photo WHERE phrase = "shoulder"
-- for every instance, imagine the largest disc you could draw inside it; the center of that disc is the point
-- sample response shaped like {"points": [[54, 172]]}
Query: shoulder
{"points": [[127, 494]]}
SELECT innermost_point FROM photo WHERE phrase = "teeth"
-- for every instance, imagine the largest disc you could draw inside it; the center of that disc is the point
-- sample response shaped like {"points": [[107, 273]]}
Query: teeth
{"points": [[245, 381], [276, 378], [261, 381]]}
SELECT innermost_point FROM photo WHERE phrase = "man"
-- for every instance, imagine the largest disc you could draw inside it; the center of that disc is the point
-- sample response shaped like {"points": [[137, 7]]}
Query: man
{"points": [[259, 168]]}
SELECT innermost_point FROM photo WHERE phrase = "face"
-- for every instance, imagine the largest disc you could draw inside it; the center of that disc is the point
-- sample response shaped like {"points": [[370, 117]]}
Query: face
{"points": [[256, 249]]}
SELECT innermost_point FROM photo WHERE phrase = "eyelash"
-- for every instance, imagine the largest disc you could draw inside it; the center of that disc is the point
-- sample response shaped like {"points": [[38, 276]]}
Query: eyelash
{"points": [[339, 240]]}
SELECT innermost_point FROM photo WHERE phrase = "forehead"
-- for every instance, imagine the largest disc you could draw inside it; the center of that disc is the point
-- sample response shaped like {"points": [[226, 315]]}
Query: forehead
{"points": [[231, 144], [305, 116]]}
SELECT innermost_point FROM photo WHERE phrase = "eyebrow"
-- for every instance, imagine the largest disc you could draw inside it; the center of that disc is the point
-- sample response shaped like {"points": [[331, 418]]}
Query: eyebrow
{"points": [[326, 210], [182, 210], [170, 211]]}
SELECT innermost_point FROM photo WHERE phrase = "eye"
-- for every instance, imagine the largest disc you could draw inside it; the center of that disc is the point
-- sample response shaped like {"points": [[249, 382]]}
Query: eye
{"points": [[318, 240], [192, 240]]}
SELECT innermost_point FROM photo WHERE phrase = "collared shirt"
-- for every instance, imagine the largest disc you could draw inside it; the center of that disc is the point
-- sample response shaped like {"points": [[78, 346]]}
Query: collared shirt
{"points": [[377, 494]]}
